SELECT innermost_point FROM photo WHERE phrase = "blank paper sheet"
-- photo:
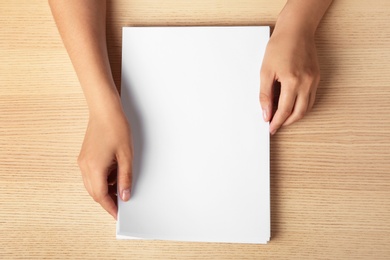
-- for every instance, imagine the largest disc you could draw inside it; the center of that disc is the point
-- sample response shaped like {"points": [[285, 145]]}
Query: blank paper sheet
{"points": [[201, 147]]}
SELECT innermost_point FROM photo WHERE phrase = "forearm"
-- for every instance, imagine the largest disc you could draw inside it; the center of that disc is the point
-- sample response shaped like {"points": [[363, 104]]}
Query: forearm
{"points": [[82, 25], [301, 16]]}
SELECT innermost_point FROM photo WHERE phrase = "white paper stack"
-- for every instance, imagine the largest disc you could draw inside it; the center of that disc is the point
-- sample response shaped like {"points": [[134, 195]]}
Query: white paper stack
{"points": [[201, 147]]}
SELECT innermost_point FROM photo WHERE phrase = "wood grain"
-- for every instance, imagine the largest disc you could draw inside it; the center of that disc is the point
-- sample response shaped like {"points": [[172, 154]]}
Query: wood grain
{"points": [[330, 175]]}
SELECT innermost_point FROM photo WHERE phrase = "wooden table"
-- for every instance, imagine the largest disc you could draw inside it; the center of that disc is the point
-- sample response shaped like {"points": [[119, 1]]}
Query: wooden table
{"points": [[330, 176]]}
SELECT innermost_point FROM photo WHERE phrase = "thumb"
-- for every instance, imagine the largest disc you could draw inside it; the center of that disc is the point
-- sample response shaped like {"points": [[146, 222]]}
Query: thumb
{"points": [[124, 176], [266, 95]]}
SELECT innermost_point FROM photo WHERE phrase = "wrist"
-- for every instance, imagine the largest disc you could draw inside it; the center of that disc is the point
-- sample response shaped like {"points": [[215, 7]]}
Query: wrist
{"points": [[105, 104], [293, 24], [286, 25], [301, 17]]}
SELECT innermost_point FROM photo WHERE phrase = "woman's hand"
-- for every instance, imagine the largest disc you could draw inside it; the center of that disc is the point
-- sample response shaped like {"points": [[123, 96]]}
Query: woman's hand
{"points": [[291, 59], [106, 154], [106, 159]]}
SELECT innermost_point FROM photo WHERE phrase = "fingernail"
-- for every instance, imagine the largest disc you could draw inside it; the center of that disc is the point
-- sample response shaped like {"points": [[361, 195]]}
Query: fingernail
{"points": [[273, 132], [265, 115], [126, 195]]}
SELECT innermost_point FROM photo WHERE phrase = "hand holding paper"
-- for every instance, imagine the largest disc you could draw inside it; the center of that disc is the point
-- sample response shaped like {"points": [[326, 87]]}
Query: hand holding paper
{"points": [[291, 59], [107, 163]]}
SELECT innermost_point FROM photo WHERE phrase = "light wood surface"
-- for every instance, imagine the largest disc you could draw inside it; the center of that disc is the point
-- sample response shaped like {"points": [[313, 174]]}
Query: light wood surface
{"points": [[330, 175]]}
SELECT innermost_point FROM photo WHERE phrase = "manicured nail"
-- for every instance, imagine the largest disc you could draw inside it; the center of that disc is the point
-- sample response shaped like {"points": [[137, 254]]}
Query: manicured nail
{"points": [[126, 195], [265, 115]]}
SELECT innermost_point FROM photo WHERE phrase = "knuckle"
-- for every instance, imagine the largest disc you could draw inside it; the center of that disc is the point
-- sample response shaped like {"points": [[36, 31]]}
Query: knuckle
{"points": [[291, 80], [302, 81], [263, 77], [88, 165], [98, 196], [300, 115], [263, 98], [311, 71], [125, 156], [311, 76], [264, 72], [308, 80], [290, 84], [125, 151], [125, 176], [284, 113], [80, 160]]}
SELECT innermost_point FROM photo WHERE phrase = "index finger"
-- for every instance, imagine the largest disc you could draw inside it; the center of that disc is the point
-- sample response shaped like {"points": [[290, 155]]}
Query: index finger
{"points": [[285, 106], [100, 194], [109, 205]]}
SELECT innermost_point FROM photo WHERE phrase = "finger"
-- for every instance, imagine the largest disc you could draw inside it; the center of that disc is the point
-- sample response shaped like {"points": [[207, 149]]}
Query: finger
{"points": [[312, 99], [124, 175], [299, 110], [108, 203], [87, 185], [285, 107], [266, 94], [114, 199], [86, 182], [101, 196]]}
